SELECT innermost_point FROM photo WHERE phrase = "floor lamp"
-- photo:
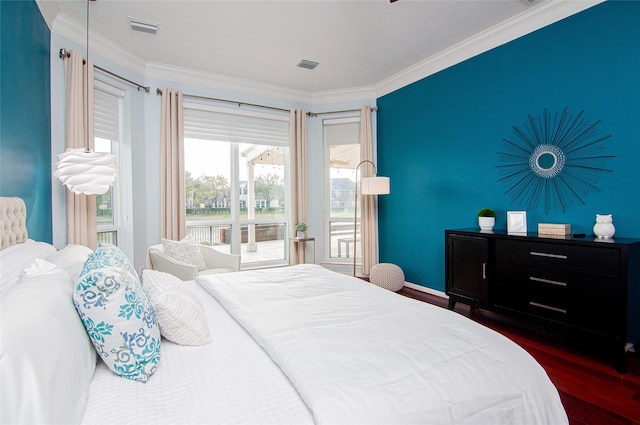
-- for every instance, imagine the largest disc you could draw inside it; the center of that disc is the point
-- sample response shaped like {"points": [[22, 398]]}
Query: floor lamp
{"points": [[369, 186]]}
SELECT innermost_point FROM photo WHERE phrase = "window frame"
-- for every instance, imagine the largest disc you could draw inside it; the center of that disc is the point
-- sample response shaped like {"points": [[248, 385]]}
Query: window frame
{"points": [[329, 219], [236, 220], [122, 197]]}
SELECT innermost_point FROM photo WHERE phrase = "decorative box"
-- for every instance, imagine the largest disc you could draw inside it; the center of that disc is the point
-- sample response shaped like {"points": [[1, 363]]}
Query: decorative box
{"points": [[553, 229]]}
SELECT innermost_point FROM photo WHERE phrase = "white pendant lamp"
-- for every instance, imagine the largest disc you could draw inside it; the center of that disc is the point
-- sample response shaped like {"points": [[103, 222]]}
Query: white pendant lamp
{"points": [[80, 169], [86, 172]]}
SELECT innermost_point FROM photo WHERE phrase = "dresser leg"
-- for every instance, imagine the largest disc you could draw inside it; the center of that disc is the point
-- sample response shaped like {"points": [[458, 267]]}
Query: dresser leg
{"points": [[452, 303], [620, 358]]}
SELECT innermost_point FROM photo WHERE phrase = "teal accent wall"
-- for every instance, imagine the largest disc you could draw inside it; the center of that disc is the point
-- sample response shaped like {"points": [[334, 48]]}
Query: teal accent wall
{"points": [[438, 138], [25, 115]]}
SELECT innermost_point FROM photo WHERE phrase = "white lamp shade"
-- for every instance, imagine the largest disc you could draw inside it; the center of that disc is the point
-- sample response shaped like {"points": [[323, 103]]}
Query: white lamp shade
{"points": [[375, 185], [86, 172]]}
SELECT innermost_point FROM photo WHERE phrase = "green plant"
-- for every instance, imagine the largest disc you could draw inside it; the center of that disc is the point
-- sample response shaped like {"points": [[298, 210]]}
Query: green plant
{"points": [[300, 226], [487, 212]]}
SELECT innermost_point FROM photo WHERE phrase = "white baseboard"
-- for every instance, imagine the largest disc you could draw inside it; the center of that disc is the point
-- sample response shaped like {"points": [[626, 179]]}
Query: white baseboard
{"points": [[345, 268], [426, 290]]}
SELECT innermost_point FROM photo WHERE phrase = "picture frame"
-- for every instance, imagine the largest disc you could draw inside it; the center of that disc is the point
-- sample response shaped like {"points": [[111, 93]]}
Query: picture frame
{"points": [[516, 222]]}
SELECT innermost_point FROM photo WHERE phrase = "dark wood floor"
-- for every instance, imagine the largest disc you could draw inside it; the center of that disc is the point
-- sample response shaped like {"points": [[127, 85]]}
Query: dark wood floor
{"points": [[592, 391]]}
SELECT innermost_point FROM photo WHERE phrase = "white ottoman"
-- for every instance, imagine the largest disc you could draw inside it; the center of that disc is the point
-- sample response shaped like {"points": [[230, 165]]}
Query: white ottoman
{"points": [[388, 276]]}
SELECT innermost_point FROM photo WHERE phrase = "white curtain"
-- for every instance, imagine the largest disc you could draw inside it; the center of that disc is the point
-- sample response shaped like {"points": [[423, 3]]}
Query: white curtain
{"points": [[81, 209], [173, 211], [368, 215], [298, 178]]}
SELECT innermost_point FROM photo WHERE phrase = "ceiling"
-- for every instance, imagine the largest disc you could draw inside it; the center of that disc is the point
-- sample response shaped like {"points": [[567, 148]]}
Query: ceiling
{"points": [[357, 43]]}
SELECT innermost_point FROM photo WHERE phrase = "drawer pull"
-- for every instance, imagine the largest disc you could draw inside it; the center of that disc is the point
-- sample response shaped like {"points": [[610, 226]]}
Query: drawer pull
{"points": [[484, 271], [544, 254], [548, 307], [553, 282]]}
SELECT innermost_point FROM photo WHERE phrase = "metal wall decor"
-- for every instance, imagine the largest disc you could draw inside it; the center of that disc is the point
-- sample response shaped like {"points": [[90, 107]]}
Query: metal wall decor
{"points": [[553, 158]]}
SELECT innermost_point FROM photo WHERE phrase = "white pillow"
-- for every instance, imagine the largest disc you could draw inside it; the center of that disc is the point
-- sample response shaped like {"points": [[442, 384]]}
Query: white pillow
{"points": [[117, 315], [14, 259], [181, 317], [186, 251], [37, 267], [71, 258], [46, 358]]}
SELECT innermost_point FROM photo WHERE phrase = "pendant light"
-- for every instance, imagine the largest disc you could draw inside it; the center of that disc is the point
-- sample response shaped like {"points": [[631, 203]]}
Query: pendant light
{"points": [[82, 170]]}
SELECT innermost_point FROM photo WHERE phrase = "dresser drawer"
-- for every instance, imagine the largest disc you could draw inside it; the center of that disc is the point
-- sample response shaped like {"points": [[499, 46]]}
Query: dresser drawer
{"points": [[583, 259], [532, 290], [582, 300]]}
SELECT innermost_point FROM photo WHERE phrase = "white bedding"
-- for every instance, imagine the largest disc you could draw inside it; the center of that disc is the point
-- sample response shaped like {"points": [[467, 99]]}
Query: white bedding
{"points": [[360, 354], [14, 259], [231, 380], [336, 350]]}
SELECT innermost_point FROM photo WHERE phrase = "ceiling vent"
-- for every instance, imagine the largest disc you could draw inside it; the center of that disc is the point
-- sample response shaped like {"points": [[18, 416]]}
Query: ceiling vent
{"points": [[307, 64], [142, 25]]}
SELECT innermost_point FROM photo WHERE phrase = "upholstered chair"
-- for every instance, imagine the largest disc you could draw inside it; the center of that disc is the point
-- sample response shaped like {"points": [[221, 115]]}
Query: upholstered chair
{"points": [[215, 261]]}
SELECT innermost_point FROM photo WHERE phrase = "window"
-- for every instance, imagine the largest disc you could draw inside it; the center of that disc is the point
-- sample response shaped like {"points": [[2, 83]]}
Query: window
{"points": [[342, 155], [107, 138], [236, 182]]}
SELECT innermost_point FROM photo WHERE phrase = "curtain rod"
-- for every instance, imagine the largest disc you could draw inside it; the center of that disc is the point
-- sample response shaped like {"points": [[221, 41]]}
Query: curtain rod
{"points": [[315, 114], [64, 53], [309, 114], [193, 96]]}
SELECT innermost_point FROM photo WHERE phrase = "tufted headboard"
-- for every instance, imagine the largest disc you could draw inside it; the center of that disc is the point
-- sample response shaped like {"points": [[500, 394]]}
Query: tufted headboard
{"points": [[13, 217]]}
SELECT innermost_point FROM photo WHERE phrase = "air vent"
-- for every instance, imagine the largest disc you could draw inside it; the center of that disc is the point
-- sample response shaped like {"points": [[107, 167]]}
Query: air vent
{"points": [[142, 25], [307, 64]]}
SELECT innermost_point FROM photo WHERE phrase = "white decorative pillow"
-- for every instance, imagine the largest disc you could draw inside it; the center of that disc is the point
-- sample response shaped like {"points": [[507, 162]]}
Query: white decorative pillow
{"points": [[181, 317], [46, 356], [117, 315], [71, 258], [186, 251]]}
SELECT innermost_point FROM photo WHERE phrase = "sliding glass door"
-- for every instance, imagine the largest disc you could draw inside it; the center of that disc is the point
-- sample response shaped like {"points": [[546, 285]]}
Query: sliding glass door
{"points": [[236, 182]]}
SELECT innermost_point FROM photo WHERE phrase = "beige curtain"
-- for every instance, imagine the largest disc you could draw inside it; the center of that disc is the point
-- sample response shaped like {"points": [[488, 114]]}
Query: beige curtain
{"points": [[298, 178], [173, 211], [81, 209], [368, 215]]}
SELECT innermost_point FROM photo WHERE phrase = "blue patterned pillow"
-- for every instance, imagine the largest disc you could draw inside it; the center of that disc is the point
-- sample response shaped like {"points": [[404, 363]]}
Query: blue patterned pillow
{"points": [[117, 315]]}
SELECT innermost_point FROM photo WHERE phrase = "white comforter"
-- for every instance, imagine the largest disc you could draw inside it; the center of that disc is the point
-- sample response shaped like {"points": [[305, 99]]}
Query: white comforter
{"points": [[360, 354]]}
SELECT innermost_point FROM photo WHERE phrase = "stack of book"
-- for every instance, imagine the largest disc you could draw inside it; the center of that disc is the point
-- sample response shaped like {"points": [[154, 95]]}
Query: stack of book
{"points": [[552, 230]]}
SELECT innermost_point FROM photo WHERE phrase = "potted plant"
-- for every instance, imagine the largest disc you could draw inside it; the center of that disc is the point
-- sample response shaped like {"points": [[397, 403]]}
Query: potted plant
{"points": [[486, 219], [301, 229]]}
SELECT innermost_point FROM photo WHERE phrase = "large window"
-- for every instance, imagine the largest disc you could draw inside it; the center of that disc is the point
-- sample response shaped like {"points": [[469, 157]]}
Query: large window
{"points": [[236, 182], [342, 156], [107, 138]]}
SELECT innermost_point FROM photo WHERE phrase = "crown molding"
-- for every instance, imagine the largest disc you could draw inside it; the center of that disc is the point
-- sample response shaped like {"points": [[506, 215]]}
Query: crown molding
{"points": [[536, 17], [531, 20], [196, 77], [75, 33], [70, 30], [254, 88], [355, 94]]}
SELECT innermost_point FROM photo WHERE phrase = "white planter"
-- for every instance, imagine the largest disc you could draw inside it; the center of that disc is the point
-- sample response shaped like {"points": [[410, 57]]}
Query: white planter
{"points": [[486, 223]]}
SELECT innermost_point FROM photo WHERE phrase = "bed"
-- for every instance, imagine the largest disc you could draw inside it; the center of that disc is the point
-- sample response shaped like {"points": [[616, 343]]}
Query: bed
{"points": [[291, 345]]}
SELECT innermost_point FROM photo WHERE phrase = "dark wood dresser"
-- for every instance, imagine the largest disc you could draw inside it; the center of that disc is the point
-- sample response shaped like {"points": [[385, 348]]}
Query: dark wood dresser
{"points": [[586, 287]]}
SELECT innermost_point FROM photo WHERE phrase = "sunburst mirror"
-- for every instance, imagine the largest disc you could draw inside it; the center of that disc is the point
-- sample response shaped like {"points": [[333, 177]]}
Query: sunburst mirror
{"points": [[555, 159]]}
